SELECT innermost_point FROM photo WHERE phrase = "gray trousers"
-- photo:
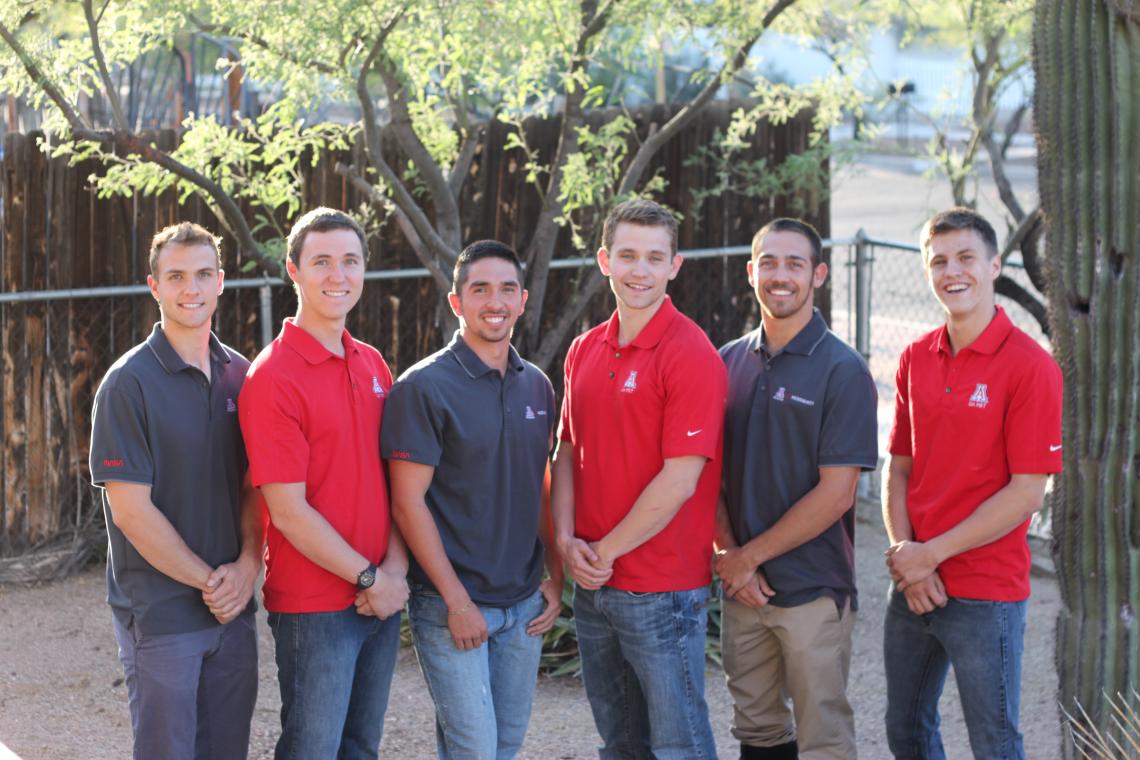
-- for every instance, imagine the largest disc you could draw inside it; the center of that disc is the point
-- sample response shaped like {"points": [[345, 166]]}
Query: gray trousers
{"points": [[191, 694]]}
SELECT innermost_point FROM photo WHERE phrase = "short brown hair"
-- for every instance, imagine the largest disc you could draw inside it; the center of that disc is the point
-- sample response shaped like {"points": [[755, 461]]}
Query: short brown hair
{"points": [[321, 219], [183, 233], [643, 212], [787, 224], [958, 218]]}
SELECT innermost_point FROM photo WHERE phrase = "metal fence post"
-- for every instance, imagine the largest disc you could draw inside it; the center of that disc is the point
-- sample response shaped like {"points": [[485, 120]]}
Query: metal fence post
{"points": [[265, 296], [868, 481], [863, 260]]}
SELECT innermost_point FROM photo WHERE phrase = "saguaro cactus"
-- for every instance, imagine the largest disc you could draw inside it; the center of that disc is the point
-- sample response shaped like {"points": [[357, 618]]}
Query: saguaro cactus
{"points": [[1087, 111]]}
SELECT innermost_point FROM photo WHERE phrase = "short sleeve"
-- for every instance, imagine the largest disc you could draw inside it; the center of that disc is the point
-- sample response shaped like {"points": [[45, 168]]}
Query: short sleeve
{"points": [[565, 430], [271, 424], [120, 450], [412, 430], [1032, 423], [696, 391], [899, 441], [850, 432]]}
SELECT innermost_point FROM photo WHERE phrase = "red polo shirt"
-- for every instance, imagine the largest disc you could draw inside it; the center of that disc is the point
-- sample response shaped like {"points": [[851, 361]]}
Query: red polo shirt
{"points": [[969, 422], [310, 416], [628, 408]]}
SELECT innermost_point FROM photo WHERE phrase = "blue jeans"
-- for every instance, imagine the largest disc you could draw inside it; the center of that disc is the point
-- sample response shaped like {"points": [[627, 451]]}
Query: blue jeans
{"points": [[191, 694], [643, 663], [482, 696], [334, 670], [984, 642]]}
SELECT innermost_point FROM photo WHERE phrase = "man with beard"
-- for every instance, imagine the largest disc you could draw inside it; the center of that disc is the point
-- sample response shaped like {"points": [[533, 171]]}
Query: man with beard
{"points": [[467, 433], [799, 427]]}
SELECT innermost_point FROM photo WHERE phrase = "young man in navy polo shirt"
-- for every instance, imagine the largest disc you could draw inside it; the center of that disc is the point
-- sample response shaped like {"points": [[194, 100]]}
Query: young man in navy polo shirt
{"points": [[636, 478], [977, 432], [185, 536], [800, 426], [334, 580], [467, 434]]}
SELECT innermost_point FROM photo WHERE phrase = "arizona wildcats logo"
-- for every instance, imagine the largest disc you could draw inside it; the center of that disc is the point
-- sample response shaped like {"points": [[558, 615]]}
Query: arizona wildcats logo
{"points": [[980, 397], [376, 388], [529, 412], [630, 383], [779, 394]]}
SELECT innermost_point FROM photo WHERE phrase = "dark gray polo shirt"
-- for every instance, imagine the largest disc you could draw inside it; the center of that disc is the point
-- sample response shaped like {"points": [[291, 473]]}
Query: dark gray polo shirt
{"points": [[157, 421], [488, 437], [808, 406]]}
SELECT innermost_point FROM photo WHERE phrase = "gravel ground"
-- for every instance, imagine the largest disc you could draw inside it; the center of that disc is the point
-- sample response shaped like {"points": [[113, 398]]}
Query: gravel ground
{"points": [[62, 696]]}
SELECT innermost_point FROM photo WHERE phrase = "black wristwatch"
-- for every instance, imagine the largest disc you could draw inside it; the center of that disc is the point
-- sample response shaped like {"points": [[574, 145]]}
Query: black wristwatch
{"points": [[366, 578]]}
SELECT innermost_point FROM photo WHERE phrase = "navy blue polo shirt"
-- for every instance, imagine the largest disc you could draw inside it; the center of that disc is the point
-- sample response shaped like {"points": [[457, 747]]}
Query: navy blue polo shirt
{"points": [[159, 422], [810, 405], [488, 437]]}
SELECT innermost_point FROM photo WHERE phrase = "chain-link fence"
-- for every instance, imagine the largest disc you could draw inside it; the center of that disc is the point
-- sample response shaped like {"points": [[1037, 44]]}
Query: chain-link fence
{"points": [[59, 344]]}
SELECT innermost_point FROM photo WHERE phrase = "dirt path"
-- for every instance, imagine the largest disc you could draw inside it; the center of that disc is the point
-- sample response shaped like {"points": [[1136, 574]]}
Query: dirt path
{"points": [[62, 696]]}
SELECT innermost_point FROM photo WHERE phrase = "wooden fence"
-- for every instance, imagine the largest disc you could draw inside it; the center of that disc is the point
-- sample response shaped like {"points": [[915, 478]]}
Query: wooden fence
{"points": [[56, 234]]}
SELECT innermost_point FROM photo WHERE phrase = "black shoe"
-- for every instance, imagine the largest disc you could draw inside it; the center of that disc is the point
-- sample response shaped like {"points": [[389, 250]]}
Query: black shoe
{"points": [[789, 751]]}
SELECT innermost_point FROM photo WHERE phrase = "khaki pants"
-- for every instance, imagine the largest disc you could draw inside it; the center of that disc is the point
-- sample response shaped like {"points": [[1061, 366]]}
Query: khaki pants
{"points": [[802, 654]]}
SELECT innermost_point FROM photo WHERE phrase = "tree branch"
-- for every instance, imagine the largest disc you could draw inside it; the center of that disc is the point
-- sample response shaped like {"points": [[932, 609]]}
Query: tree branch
{"points": [[540, 250], [553, 339], [446, 209], [101, 67], [74, 119], [385, 203], [374, 150], [1010, 289], [682, 118], [1026, 238], [230, 214], [466, 155], [261, 42]]}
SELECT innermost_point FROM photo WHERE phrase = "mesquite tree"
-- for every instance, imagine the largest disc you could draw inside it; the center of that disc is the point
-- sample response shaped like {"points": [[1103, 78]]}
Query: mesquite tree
{"points": [[1087, 64], [425, 76]]}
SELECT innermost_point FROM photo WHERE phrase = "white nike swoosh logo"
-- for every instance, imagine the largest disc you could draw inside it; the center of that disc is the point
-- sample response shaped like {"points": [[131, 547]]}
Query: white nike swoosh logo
{"points": [[691, 433], [1055, 448]]}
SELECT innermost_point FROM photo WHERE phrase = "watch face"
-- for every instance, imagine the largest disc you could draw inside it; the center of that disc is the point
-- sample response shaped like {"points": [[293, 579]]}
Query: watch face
{"points": [[366, 578]]}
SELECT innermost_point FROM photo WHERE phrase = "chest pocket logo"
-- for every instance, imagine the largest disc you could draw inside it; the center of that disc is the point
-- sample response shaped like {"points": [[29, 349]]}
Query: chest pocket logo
{"points": [[630, 383], [980, 398], [377, 388]]}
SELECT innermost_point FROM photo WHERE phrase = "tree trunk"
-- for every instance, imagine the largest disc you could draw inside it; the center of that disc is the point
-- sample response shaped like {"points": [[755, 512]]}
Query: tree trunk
{"points": [[1087, 66]]}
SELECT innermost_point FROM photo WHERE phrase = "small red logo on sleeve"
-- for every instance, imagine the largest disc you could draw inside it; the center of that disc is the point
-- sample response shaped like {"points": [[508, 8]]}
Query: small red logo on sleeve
{"points": [[397, 454], [112, 462]]}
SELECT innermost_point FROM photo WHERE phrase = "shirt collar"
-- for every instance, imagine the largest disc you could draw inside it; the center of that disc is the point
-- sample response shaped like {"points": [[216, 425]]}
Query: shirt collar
{"points": [[472, 364], [310, 349], [987, 343], [804, 342], [652, 333], [169, 359]]}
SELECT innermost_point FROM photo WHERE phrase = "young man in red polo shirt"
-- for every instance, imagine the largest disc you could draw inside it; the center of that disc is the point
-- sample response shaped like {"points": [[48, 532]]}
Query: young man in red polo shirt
{"points": [[636, 479], [977, 433], [334, 585]]}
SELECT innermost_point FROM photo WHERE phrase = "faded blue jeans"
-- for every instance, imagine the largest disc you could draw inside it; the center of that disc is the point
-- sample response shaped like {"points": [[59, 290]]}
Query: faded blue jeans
{"points": [[983, 641], [334, 669], [482, 696], [643, 663]]}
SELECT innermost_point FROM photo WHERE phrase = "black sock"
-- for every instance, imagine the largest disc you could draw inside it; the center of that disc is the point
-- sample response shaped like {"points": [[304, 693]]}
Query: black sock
{"points": [[788, 751]]}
